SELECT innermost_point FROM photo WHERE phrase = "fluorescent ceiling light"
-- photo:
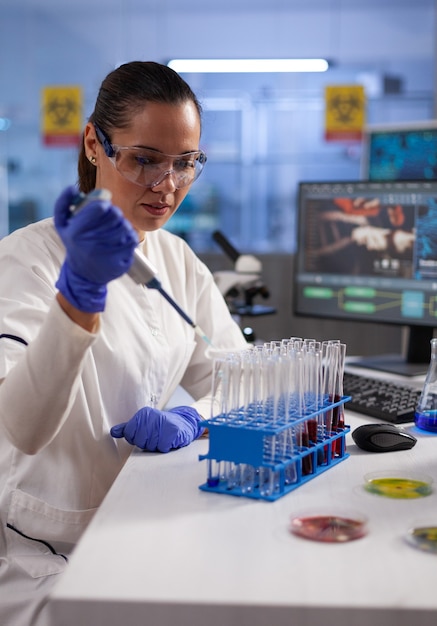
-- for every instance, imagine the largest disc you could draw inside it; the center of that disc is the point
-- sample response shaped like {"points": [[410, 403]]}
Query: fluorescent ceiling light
{"points": [[247, 65]]}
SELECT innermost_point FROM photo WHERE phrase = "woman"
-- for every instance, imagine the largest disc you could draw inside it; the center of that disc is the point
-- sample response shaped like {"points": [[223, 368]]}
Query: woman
{"points": [[89, 359]]}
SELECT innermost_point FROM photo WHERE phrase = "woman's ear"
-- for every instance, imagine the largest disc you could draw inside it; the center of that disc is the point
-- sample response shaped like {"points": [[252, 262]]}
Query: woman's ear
{"points": [[90, 141]]}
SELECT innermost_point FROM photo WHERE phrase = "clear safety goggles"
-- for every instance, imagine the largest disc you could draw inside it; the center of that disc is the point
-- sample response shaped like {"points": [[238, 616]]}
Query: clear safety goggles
{"points": [[148, 168]]}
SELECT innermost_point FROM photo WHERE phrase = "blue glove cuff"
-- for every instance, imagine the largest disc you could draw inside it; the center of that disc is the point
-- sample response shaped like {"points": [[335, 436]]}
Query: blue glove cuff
{"points": [[81, 293], [191, 416]]}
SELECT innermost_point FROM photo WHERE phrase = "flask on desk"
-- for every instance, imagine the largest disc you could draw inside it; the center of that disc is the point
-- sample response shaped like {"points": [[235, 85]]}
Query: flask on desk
{"points": [[426, 410]]}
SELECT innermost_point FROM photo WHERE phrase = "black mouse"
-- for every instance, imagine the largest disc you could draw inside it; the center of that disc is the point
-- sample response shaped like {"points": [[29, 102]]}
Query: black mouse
{"points": [[382, 438]]}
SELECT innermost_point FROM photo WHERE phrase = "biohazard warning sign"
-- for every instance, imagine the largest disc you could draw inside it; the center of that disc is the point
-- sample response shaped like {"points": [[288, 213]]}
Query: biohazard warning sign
{"points": [[61, 115], [345, 112]]}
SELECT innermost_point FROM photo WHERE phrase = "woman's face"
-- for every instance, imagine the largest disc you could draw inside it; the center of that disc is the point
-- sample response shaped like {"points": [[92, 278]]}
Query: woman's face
{"points": [[166, 128]]}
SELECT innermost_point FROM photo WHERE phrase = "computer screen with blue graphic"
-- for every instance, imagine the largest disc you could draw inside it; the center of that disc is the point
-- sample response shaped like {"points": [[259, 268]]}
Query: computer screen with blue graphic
{"points": [[367, 251], [400, 151]]}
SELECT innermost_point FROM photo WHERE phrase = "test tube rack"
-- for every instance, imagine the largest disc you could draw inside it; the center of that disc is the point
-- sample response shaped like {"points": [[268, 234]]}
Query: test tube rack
{"points": [[258, 459]]}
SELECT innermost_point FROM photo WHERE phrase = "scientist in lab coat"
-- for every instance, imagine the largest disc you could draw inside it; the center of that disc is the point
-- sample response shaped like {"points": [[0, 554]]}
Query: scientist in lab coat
{"points": [[88, 358]]}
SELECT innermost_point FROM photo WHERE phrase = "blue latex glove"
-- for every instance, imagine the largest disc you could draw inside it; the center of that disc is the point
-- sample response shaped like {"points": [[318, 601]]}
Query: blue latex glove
{"points": [[99, 243], [154, 430]]}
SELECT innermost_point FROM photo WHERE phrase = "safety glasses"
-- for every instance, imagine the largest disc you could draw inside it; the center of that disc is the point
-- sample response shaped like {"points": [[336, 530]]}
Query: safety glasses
{"points": [[148, 168]]}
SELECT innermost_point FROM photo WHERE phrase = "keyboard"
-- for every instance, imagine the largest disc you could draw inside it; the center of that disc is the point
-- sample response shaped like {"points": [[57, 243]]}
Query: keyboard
{"points": [[388, 401]]}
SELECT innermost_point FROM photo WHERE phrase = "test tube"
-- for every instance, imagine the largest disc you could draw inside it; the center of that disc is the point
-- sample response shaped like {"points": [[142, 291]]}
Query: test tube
{"points": [[234, 470], [300, 374], [220, 388], [248, 385], [233, 478], [286, 436], [246, 475], [296, 342], [304, 427], [213, 479], [219, 471], [269, 481], [258, 386], [267, 364], [312, 363], [330, 354], [339, 410], [292, 404], [247, 478], [235, 387], [312, 377]]}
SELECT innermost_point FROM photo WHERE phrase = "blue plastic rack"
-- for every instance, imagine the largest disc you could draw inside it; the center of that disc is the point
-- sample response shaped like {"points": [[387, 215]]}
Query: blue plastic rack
{"points": [[258, 459]]}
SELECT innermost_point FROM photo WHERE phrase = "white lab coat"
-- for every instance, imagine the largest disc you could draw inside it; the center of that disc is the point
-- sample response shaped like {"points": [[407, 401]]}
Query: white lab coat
{"points": [[61, 393]]}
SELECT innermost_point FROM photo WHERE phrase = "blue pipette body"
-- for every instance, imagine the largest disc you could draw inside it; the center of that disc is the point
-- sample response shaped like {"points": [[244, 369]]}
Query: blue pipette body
{"points": [[142, 271]]}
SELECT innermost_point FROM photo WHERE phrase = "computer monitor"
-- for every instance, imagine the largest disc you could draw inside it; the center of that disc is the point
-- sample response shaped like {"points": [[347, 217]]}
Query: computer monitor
{"points": [[400, 151], [367, 251]]}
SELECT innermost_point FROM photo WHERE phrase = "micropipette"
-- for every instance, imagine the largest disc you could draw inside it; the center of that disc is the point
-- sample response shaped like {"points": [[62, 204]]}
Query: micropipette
{"points": [[142, 271]]}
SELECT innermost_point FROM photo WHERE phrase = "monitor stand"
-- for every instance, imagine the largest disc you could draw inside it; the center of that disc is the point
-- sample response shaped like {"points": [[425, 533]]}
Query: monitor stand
{"points": [[416, 361]]}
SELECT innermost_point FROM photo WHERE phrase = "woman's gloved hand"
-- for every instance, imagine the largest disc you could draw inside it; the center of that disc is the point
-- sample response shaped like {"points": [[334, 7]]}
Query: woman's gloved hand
{"points": [[100, 244], [154, 430]]}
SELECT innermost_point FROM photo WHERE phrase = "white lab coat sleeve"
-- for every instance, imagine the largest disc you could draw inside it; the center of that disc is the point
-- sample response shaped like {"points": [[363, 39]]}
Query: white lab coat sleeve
{"points": [[37, 393]]}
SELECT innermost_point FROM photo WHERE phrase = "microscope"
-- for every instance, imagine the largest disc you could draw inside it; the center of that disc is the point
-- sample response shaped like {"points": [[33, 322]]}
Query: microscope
{"points": [[241, 285]]}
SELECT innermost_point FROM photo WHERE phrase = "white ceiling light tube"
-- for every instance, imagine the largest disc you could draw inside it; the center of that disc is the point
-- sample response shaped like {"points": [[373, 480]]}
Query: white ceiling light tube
{"points": [[206, 66]]}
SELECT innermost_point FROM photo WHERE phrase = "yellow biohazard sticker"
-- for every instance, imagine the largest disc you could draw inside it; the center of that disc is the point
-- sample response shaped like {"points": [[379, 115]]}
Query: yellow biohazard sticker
{"points": [[61, 115], [345, 112]]}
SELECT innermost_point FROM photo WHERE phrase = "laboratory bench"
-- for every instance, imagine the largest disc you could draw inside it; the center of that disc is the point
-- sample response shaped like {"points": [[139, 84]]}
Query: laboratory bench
{"points": [[162, 552]]}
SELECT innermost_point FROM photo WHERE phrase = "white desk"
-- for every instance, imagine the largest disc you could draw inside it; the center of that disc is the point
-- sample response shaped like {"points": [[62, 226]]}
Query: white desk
{"points": [[160, 552]]}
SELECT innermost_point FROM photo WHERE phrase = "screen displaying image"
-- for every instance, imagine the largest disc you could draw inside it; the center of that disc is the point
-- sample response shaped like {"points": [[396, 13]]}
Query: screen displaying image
{"points": [[368, 251], [401, 152]]}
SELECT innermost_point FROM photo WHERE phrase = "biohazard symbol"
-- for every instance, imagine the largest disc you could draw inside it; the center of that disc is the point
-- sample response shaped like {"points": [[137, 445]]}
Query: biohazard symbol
{"points": [[345, 107], [61, 111]]}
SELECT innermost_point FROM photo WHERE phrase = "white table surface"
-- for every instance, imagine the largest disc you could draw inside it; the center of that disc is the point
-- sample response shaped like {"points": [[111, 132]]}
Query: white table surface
{"points": [[161, 552]]}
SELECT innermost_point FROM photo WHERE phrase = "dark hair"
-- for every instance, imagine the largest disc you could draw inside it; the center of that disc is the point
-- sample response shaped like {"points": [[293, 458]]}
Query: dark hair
{"points": [[125, 90]]}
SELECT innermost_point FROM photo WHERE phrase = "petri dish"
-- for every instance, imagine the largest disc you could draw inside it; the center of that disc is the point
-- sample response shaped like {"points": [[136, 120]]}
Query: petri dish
{"points": [[329, 527], [423, 536], [398, 484]]}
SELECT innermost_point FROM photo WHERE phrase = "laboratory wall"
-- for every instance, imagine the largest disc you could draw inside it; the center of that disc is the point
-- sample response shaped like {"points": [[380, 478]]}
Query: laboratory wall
{"points": [[262, 133]]}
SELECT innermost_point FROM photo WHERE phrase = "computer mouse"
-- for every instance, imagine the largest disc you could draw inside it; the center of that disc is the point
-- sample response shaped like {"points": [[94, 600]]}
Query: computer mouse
{"points": [[382, 438]]}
